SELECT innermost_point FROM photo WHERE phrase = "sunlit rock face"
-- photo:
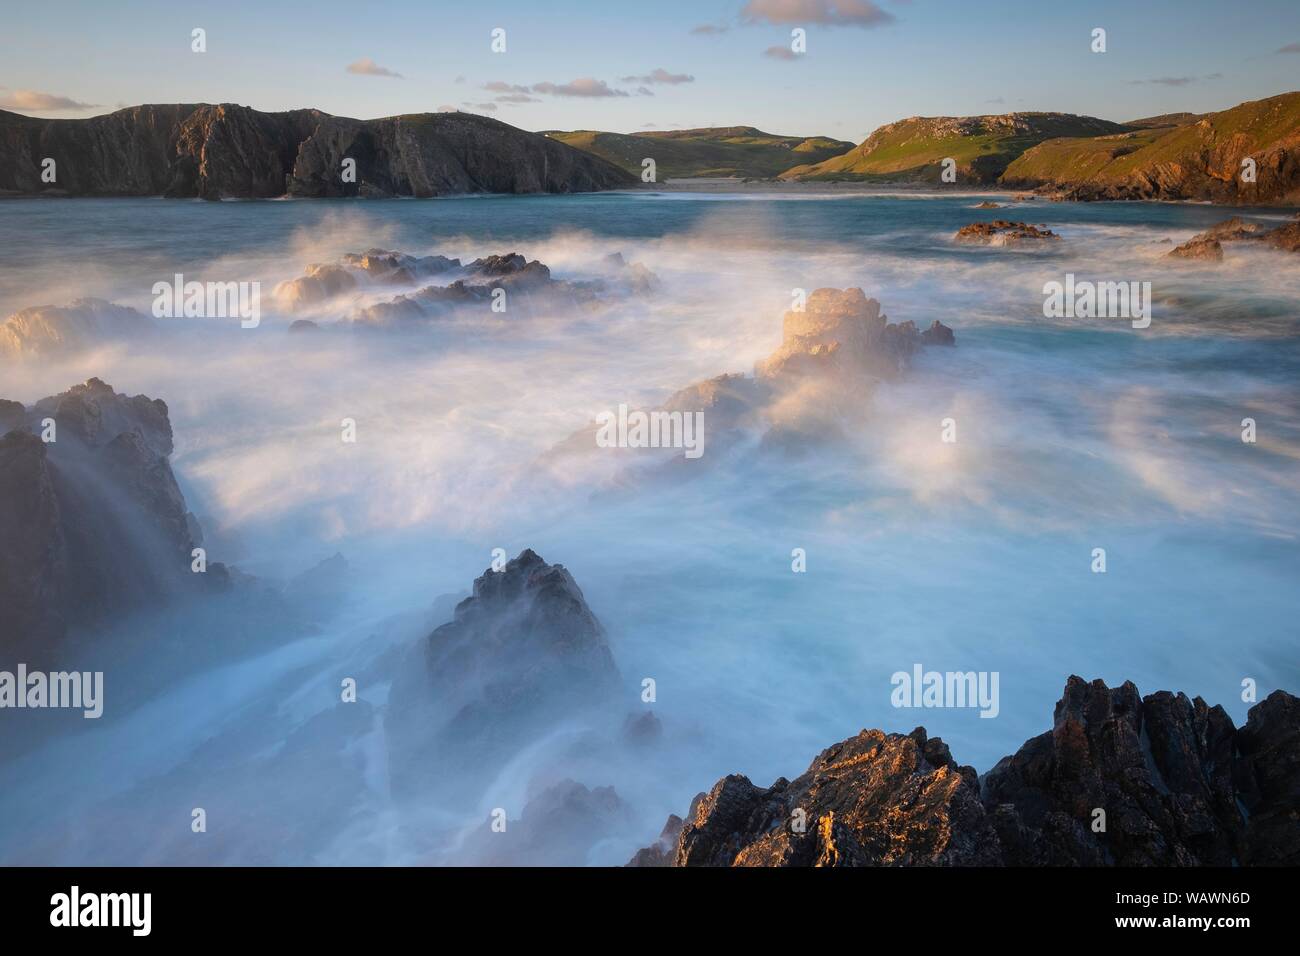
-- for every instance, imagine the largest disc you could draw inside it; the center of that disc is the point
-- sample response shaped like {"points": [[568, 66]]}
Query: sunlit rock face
{"points": [[322, 282], [92, 522], [48, 331], [1178, 784], [872, 800], [522, 655], [835, 351]]}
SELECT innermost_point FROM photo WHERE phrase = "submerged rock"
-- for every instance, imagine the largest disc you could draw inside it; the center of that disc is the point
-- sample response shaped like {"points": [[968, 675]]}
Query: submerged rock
{"points": [[47, 331], [1002, 232], [1208, 250], [1178, 784], [1207, 245]]}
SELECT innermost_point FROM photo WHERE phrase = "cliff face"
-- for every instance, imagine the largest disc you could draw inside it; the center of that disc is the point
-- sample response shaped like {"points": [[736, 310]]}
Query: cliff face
{"points": [[92, 524], [1179, 785], [221, 151], [1197, 160]]}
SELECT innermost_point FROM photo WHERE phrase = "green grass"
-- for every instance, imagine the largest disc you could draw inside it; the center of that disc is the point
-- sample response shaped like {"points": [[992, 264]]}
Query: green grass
{"points": [[728, 151]]}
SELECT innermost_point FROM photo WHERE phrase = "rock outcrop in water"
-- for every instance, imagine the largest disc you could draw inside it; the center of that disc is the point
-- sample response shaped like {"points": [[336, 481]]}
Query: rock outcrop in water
{"points": [[1002, 232], [350, 286], [833, 354], [523, 653], [92, 524], [1178, 783], [48, 331], [230, 151], [1208, 244]]}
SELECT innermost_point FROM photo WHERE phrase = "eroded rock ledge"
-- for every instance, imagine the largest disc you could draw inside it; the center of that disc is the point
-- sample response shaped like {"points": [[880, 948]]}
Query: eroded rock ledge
{"points": [[1178, 783]]}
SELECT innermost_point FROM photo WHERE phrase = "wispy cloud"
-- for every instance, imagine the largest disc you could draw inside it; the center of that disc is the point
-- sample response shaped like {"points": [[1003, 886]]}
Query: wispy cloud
{"points": [[1290, 48], [830, 13], [709, 29], [1175, 80], [32, 100], [660, 76], [368, 67], [485, 107], [780, 53], [583, 86]]}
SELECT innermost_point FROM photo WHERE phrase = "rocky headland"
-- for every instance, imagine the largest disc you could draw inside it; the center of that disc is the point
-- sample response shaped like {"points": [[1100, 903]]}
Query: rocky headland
{"points": [[226, 151]]}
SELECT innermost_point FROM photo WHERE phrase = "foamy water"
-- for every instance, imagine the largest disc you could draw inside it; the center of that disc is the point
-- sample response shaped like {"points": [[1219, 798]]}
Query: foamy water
{"points": [[1072, 435]]}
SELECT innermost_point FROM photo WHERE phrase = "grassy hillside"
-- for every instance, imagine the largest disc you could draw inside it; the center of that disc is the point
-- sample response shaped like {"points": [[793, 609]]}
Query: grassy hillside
{"points": [[914, 149], [723, 151], [1197, 160]]}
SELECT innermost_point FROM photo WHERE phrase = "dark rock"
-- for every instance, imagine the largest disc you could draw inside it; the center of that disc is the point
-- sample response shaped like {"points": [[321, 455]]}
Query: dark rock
{"points": [[1178, 784], [1197, 248], [522, 653], [1268, 776], [558, 827], [218, 151], [1002, 232], [662, 851], [938, 334], [92, 525]]}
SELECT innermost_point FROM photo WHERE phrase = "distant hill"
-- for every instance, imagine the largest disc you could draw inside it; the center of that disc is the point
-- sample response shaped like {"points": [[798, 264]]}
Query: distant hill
{"points": [[914, 149], [226, 150], [1198, 160], [1164, 119], [741, 151]]}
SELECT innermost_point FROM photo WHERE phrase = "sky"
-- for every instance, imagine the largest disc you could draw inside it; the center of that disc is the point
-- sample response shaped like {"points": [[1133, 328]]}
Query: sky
{"points": [[626, 66]]}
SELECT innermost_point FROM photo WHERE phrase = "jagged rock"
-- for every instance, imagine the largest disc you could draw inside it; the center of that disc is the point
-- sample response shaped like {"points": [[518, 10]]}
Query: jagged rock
{"points": [[1268, 780], [1002, 232], [833, 354], [661, 852], [217, 151], [92, 524], [642, 730], [382, 267], [873, 800], [1159, 767], [521, 654], [987, 205], [938, 334], [1178, 784], [558, 827], [1206, 245], [528, 284], [1205, 249], [47, 330]]}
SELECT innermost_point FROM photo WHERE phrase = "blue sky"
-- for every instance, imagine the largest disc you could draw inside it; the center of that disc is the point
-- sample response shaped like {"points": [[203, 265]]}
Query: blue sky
{"points": [[866, 63]]}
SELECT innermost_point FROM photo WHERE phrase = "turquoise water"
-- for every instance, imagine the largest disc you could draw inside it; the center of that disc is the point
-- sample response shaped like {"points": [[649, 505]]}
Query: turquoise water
{"points": [[1073, 435]]}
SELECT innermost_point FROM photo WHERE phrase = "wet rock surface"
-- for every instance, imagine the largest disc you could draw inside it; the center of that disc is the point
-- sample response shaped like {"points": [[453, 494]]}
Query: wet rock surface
{"points": [[92, 523], [1177, 783]]}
